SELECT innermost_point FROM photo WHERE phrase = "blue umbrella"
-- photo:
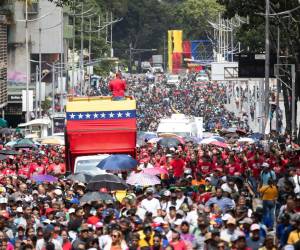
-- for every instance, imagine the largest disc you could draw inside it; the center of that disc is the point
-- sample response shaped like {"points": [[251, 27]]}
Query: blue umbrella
{"points": [[150, 135], [257, 136], [118, 163]]}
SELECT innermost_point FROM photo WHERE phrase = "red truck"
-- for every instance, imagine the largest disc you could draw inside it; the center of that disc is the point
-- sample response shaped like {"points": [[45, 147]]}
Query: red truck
{"points": [[98, 125]]}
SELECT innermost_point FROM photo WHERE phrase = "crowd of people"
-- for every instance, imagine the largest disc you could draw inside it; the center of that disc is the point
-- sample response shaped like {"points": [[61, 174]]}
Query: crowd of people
{"points": [[243, 197]]}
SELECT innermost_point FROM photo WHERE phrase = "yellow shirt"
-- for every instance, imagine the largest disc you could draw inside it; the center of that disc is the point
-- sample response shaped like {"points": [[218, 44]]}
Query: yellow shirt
{"points": [[269, 193], [293, 237], [143, 242]]}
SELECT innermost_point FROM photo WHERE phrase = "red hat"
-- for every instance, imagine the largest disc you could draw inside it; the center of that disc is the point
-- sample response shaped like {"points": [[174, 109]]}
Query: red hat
{"points": [[49, 210], [4, 214]]}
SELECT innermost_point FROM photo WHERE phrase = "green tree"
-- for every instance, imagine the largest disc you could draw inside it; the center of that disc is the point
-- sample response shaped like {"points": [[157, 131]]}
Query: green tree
{"points": [[193, 17]]}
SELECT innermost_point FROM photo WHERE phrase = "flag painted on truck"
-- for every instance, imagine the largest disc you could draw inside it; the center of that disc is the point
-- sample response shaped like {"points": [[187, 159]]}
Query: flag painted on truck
{"points": [[103, 114], [101, 124]]}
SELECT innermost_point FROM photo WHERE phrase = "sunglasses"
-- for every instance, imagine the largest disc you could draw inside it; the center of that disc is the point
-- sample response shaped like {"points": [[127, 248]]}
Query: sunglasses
{"points": [[115, 236]]}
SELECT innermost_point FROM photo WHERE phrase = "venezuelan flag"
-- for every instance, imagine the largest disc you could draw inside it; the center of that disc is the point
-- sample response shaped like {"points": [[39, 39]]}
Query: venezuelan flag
{"points": [[100, 123]]}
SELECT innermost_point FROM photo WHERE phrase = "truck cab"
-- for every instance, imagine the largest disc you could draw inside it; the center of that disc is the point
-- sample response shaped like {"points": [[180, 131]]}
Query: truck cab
{"points": [[98, 125]]}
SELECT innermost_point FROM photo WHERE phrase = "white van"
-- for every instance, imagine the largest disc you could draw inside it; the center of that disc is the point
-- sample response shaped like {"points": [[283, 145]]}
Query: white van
{"points": [[182, 125], [88, 164]]}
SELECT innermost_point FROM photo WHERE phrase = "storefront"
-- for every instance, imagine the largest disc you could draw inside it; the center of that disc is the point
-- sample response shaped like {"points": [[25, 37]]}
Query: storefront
{"points": [[13, 110]]}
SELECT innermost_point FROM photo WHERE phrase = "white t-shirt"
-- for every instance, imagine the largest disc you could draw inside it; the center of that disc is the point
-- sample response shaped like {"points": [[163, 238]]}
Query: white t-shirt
{"points": [[151, 205], [40, 244]]}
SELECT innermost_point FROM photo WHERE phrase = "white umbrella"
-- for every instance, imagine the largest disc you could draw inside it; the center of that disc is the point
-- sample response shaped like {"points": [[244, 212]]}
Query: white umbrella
{"points": [[142, 179], [246, 139], [208, 140]]}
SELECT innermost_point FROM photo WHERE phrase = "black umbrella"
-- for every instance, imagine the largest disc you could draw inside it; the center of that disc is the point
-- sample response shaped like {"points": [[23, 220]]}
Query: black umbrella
{"points": [[80, 177], [108, 181], [169, 142], [95, 196], [5, 131], [9, 152]]}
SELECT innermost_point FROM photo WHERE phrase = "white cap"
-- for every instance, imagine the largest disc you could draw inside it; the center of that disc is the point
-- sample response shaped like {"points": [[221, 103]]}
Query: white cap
{"points": [[167, 193], [71, 210], [226, 217], [158, 220], [3, 200], [58, 192], [19, 210], [178, 222], [254, 227]]}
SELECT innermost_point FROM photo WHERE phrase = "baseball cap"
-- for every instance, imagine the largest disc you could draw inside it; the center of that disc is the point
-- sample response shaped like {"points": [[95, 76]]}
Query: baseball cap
{"points": [[180, 212], [226, 217], [149, 190], [49, 210], [231, 221], [167, 193], [19, 210], [71, 210], [58, 192], [237, 236], [178, 222], [254, 227], [265, 165], [3, 200], [246, 221], [84, 227]]}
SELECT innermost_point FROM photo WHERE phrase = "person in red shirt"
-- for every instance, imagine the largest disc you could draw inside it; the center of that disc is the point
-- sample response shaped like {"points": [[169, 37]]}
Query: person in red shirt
{"points": [[8, 171], [57, 168], [37, 168], [118, 86], [24, 169], [178, 165]]}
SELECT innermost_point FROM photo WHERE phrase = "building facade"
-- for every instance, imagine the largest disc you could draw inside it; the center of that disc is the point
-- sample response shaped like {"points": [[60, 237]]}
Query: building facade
{"points": [[46, 39]]}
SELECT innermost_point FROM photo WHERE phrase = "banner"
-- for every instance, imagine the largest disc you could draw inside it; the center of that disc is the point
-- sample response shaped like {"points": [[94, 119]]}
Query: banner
{"points": [[177, 41], [187, 52], [177, 62]]}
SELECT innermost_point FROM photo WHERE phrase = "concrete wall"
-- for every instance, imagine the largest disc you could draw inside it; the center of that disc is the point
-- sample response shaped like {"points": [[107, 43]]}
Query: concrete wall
{"points": [[51, 35]]}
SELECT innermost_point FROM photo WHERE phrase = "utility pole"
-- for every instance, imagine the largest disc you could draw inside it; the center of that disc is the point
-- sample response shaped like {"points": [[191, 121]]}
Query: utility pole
{"points": [[165, 56], [37, 79], [53, 89], [278, 82], [231, 40], [90, 53], [99, 22], [130, 58], [293, 102], [27, 62], [111, 35], [40, 72], [62, 89], [106, 30], [267, 61], [81, 54], [73, 48]]}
